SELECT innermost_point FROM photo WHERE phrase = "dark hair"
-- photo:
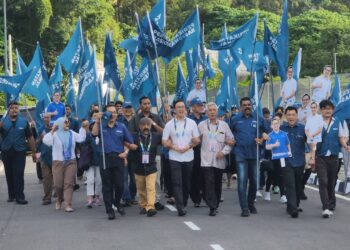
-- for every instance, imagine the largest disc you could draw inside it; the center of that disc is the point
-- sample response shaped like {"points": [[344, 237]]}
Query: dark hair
{"points": [[326, 103], [108, 106], [306, 95], [291, 108], [246, 98], [117, 102], [265, 111], [67, 106], [279, 108], [143, 98], [177, 101], [328, 66], [11, 103]]}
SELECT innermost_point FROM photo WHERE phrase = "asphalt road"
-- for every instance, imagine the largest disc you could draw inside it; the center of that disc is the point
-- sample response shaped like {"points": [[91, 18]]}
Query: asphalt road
{"points": [[41, 227]]}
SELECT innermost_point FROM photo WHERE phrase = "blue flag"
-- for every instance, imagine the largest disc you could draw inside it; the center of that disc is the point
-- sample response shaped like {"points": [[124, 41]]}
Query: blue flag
{"points": [[88, 92], [336, 91], [283, 36], [252, 62], [191, 71], [188, 37], [85, 64], [209, 71], [181, 86], [112, 74], [227, 94], [70, 94], [71, 57], [38, 83], [130, 44], [40, 111], [342, 110], [245, 35], [56, 78], [21, 67], [128, 79], [226, 61], [13, 85], [297, 65], [158, 14]]}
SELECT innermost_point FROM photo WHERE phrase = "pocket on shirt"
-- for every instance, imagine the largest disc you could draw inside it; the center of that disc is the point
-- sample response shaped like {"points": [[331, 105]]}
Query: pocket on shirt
{"points": [[220, 137]]}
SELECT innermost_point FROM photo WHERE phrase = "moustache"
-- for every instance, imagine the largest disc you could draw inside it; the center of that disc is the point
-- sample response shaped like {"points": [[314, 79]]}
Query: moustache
{"points": [[146, 131]]}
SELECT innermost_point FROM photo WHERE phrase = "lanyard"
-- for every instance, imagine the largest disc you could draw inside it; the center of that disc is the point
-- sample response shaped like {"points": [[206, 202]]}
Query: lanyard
{"points": [[145, 146], [183, 132], [217, 127]]}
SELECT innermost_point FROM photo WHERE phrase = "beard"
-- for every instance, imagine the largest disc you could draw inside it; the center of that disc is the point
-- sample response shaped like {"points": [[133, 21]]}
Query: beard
{"points": [[146, 131]]}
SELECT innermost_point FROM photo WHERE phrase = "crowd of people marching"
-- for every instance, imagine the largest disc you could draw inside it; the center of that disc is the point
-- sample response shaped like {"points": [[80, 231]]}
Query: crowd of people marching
{"points": [[116, 151]]}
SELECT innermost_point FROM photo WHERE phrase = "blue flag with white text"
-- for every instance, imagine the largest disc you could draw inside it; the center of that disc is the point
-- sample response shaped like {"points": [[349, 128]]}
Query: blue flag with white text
{"points": [[336, 91], [128, 79], [181, 86], [21, 67], [158, 14], [342, 110], [56, 78], [13, 85], [112, 74], [209, 71]]}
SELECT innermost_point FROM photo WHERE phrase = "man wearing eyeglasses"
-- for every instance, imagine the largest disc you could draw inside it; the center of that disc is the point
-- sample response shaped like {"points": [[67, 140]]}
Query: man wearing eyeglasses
{"points": [[305, 110], [289, 89], [322, 85]]}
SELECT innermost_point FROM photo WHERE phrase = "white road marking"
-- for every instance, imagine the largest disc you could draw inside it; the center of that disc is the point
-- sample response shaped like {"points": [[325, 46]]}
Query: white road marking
{"points": [[171, 208], [1, 167], [191, 225], [216, 247], [336, 195]]}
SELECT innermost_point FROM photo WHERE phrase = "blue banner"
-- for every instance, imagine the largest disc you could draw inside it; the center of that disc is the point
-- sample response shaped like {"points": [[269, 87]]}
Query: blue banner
{"points": [[130, 44], [21, 67], [342, 110], [112, 74], [13, 85], [71, 57], [336, 91], [209, 71], [297, 65], [128, 79], [158, 14], [181, 86], [56, 78]]}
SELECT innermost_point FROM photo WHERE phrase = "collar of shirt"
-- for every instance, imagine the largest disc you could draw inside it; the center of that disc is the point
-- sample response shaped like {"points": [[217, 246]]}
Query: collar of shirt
{"points": [[244, 116]]}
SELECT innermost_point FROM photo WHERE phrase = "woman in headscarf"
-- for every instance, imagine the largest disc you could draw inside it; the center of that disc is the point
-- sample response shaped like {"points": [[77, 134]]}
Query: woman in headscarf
{"points": [[64, 164]]}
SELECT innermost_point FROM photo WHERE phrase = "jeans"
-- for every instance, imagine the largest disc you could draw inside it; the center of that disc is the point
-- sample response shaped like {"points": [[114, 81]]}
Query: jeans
{"points": [[129, 192], [246, 170], [181, 179]]}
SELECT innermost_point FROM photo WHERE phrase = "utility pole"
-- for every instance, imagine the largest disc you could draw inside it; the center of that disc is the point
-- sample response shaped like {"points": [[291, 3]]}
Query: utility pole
{"points": [[10, 56], [5, 38]]}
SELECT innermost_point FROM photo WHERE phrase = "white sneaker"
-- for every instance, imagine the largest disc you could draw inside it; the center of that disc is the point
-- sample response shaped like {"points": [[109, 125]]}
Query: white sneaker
{"points": [[276, 190], [326, 213], [283, 199], [258, 194], [267, 196]]}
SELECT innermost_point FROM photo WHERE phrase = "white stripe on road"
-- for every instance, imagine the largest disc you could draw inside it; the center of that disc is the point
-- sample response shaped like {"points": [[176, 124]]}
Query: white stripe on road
{"points": [[191, 225], [216, 247], [171, 208], [1, 167], [336, 195]]}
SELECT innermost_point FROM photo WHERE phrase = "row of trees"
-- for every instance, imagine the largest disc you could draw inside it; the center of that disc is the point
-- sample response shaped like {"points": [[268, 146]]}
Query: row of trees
{"points": [[315, 25]]}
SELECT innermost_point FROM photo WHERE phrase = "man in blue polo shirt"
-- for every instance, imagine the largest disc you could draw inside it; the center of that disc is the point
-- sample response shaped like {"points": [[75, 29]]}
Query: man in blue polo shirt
{"points": [[14, 131], [244, 128], [56, 108], [197, 179], [115, 137], [293, 172]]}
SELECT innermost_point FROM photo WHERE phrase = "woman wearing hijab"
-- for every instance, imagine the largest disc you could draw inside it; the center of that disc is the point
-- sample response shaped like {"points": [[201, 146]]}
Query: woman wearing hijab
{"points": [[64, 164]]}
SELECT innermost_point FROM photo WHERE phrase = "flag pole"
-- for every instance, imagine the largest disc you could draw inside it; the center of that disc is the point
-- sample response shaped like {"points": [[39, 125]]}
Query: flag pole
{"points": [[257, 127]]}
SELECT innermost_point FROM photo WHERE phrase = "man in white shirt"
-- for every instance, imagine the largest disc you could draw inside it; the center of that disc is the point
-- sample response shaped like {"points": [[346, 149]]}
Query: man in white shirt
{"points": [[180, 135], [305, 110], [322, 85], [197, 92], [289, 89]]}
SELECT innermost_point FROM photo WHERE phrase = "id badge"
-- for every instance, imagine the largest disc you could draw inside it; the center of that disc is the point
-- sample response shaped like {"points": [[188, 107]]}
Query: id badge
{"points": [[212, 147], [181, 143], [145, 158], [283, 163]]}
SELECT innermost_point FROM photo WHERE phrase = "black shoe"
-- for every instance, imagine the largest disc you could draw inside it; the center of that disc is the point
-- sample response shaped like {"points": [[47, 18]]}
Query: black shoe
{"points": [[121, 210], [151, 212], [212, 212], [76, 187], [126, 204], [303, 196], [300, 210], [143, 211], [11, 199], [294, 213], [111, 215], [181, 212], [197, 204], [21, 202], [245, 213], [46, 203], [159, 206], [253, 210]]}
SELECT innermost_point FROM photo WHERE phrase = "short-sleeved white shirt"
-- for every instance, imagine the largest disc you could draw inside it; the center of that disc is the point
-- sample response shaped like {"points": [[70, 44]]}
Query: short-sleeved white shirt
{"points": [[289, 86], [314, 123], [194, 93], [320, 94], [303, 114], [181, 132]]}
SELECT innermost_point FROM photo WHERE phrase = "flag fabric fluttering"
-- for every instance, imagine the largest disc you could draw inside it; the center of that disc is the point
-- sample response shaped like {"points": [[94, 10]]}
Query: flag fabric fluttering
{"points": [[56, 78], [88, 91], [13, 85], [70, 94], [209, 71], [158, 14], [181, 85], [191, 70], [342, 110], [297, 65], [112, 74], [71, 57], [21, 67], [336, 91], [85, 64], [38, 83], [128, 79]]}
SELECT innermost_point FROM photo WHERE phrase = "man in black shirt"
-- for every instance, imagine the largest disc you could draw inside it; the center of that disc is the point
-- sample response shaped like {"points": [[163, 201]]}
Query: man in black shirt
{"points": [[144, 163]]}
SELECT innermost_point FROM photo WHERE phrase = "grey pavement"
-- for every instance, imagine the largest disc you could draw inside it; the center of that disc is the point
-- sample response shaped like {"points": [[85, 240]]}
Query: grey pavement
{"points": [[41, 227]]}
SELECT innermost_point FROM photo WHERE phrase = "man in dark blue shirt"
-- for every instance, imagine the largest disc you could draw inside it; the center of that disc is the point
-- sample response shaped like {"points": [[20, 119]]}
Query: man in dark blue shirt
{"points": [[114, 137], [244, 128], [294, 169], [197, 179]]}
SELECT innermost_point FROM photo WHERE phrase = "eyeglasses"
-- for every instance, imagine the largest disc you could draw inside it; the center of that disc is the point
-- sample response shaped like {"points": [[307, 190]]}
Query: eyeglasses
{"points": [[66, 122]]}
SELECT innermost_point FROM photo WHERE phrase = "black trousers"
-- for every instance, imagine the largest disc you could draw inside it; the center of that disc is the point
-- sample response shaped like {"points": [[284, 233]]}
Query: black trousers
{"points": [[213, 186], [278, 175], [181, 180], [14, 163], [39, 173], [326, 168], [166, 175], [112, 182], [197, 180], [293, 177]]}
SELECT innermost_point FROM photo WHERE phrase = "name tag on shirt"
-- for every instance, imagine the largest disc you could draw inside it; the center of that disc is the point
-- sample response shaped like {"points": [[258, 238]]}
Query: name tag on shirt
{"points": [[145, 158]]}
